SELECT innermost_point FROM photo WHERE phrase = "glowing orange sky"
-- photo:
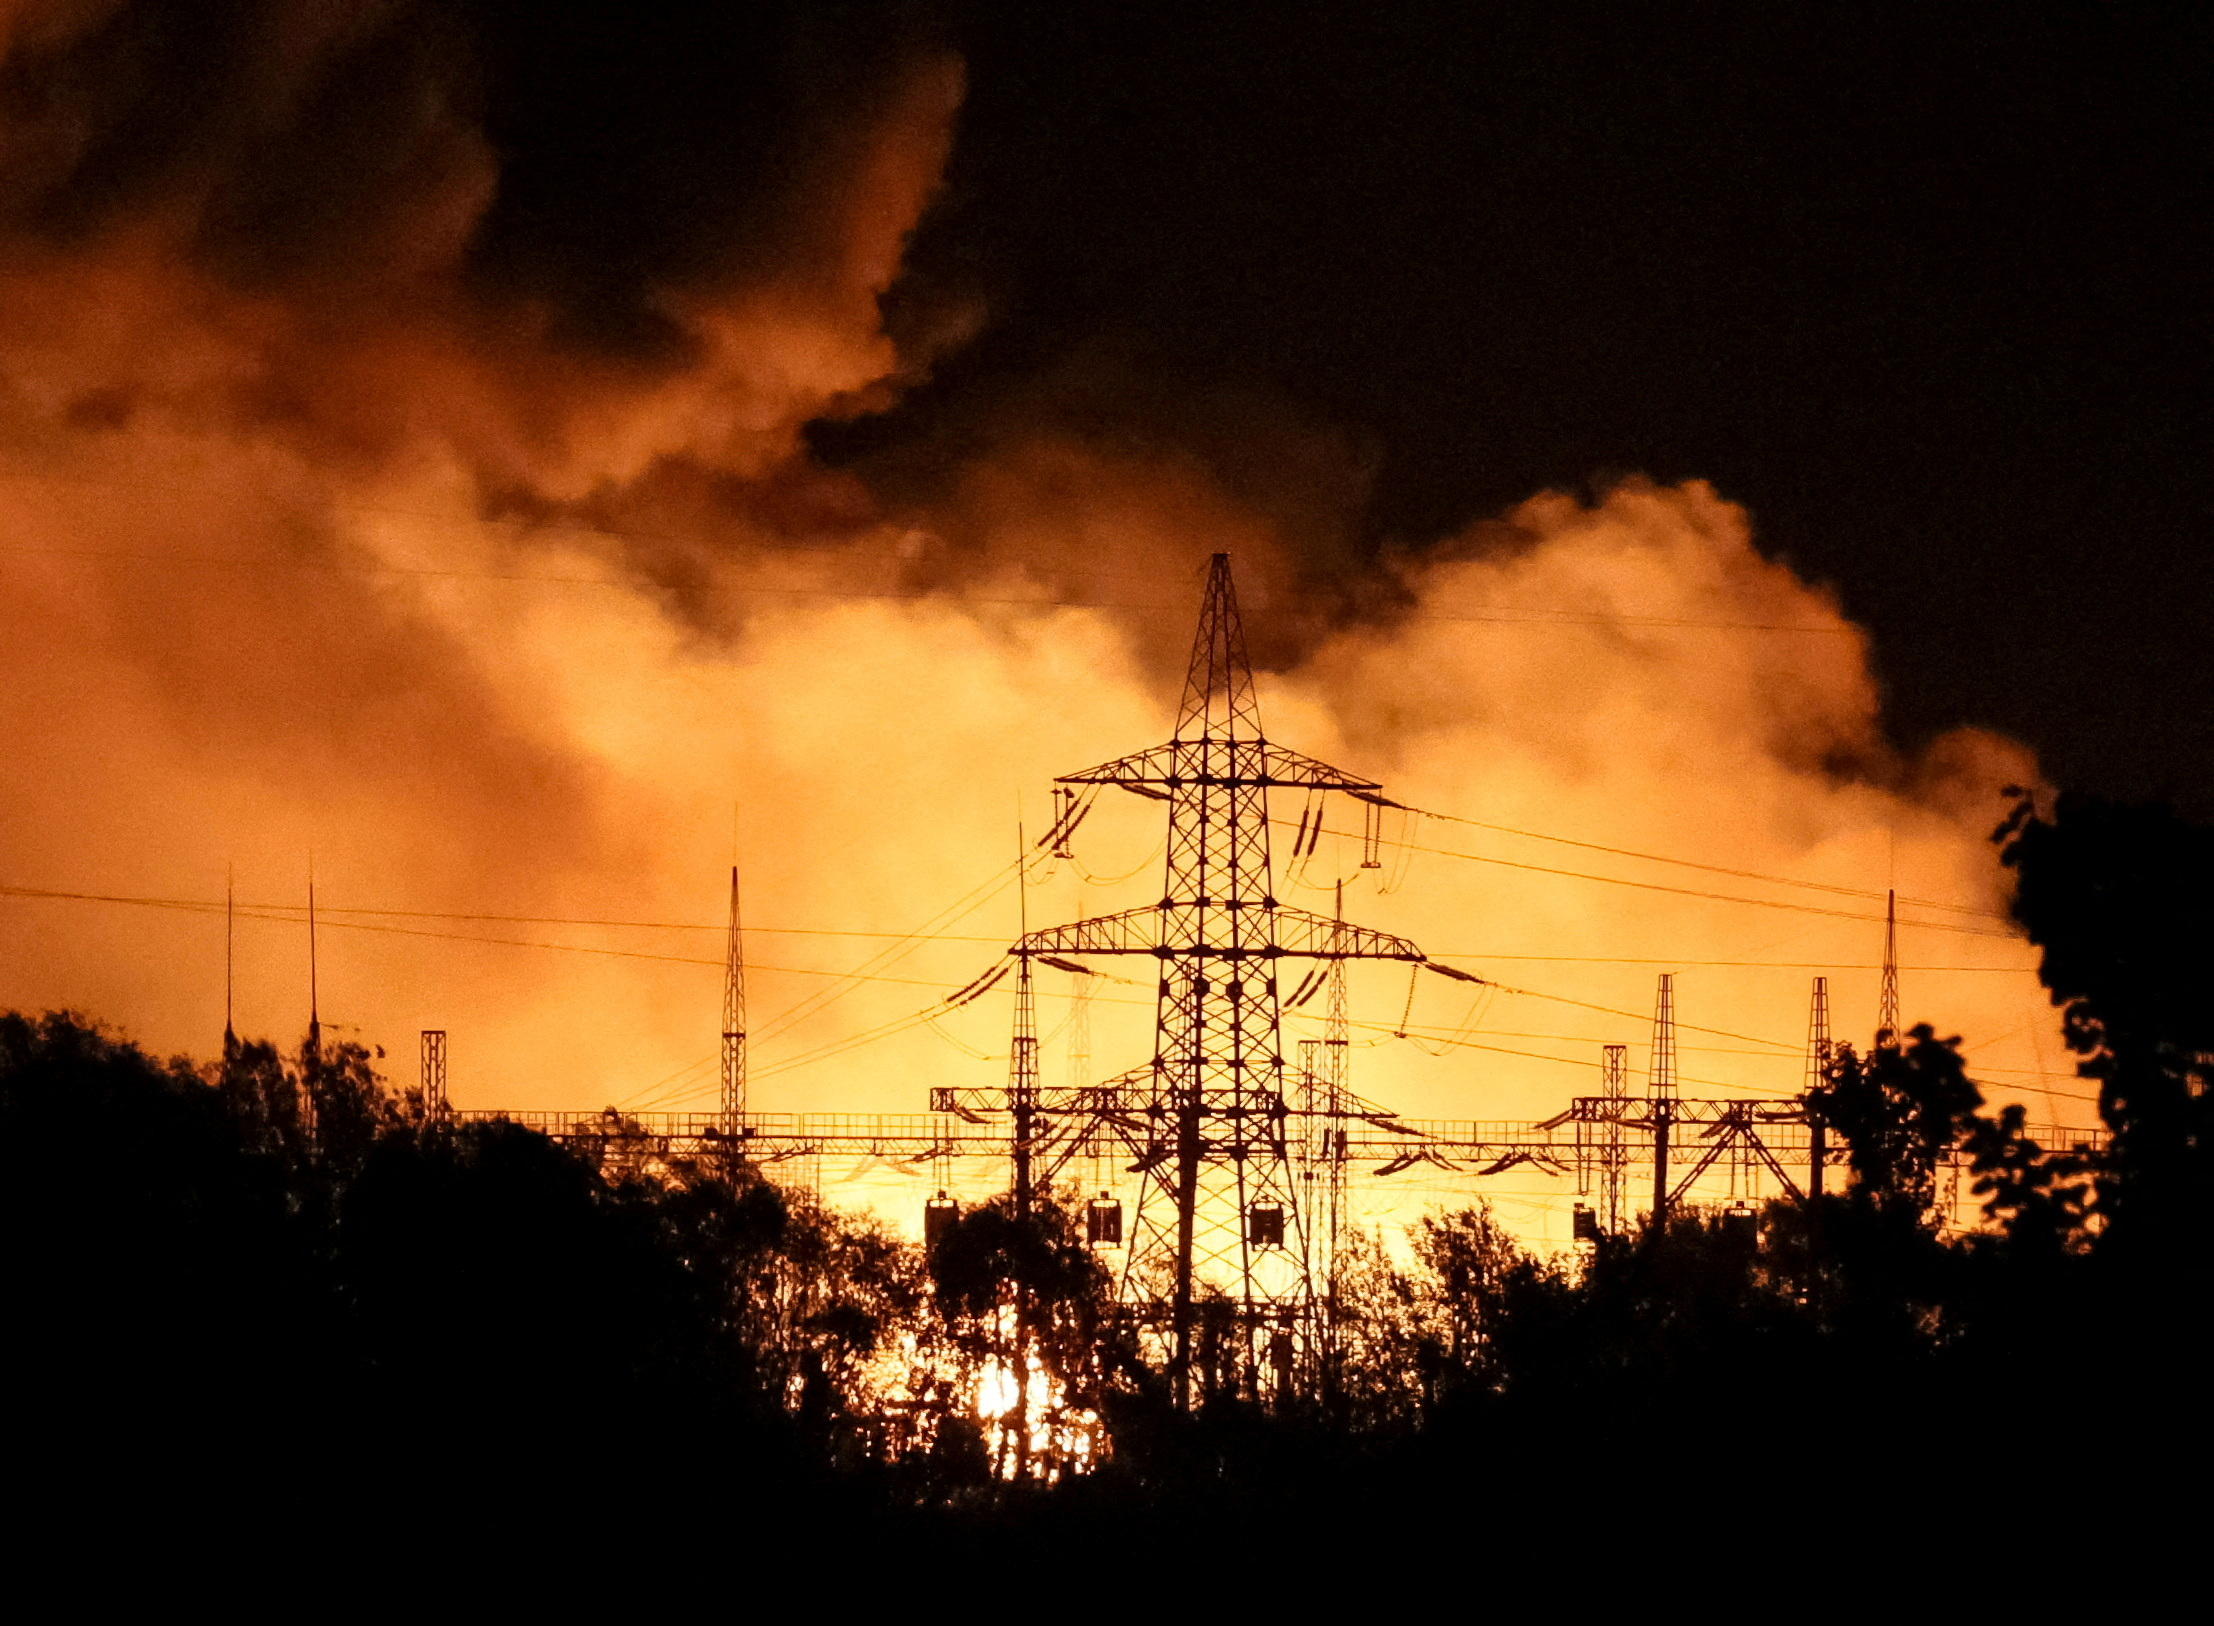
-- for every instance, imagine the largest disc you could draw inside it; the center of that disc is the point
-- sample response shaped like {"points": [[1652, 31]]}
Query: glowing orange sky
{"points": [[258, 611]]}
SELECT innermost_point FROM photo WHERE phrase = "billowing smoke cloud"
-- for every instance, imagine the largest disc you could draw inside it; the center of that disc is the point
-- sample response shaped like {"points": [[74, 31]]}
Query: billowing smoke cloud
{"points": [[402, 461]]}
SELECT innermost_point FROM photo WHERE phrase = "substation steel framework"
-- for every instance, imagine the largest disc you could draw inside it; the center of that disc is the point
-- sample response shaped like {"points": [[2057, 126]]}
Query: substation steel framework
{"points": [[1242, 1161]]}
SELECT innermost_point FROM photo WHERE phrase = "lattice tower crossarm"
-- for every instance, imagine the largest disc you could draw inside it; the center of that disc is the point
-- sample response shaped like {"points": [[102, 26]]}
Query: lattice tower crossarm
{"points": [[1219, 1205]]}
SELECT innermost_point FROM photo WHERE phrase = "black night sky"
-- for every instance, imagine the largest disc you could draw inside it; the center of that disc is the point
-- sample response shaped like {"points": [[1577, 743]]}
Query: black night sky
{"points": [[1925, 287]]}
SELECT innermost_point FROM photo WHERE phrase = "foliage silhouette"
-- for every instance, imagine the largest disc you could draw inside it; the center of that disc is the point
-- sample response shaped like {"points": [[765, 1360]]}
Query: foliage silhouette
{"points": [[278, 1259]]}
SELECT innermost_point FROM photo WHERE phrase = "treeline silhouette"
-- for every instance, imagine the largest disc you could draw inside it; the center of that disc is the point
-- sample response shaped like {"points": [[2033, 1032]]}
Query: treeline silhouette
{"points": [[386, 1302]]}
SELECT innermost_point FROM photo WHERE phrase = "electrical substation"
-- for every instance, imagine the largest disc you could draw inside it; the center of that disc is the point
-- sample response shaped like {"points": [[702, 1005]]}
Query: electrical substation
{"points": [[1218, 1175]]}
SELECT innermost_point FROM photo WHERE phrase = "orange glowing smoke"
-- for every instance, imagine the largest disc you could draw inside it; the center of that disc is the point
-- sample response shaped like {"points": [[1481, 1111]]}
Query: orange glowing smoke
{"points": [[341, 552]]}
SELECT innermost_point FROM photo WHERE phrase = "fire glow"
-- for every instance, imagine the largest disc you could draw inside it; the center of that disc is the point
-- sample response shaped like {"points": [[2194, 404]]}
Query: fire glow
{"points": [[365, 563]]}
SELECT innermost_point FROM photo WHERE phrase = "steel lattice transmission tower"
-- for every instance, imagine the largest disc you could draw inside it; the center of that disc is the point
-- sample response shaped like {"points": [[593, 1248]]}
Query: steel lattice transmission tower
{"points": [[1218, 1214]]}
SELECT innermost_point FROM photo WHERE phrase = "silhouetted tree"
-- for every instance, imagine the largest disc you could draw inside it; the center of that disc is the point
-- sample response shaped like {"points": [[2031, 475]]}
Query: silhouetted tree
{"points": [[2121, 901], [159, 1284]]}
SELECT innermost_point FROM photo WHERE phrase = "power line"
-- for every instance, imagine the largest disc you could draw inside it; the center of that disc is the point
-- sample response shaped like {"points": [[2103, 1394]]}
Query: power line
{"points": [[1714, 869], [297, 916], [1678, 891]]}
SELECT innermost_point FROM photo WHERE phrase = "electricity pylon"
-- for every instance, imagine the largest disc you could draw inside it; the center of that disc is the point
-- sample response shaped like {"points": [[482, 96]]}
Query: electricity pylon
{"points": [[1218, 1207]]}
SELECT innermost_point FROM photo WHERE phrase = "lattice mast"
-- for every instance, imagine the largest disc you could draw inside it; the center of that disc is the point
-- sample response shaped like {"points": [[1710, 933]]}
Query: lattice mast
{"points": [[1818, 1070], [1614, 1078], [733, 1105], [1887, 998], [1022, 1075], [1218, 1203], [1660, 1090]]}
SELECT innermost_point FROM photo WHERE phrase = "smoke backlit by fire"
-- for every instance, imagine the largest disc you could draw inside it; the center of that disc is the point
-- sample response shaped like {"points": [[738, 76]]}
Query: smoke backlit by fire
{"points": [[342, 554]]}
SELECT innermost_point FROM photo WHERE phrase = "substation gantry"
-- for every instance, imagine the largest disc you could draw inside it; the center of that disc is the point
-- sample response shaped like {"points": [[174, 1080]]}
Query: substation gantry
{"points": [[1242, 1158]]}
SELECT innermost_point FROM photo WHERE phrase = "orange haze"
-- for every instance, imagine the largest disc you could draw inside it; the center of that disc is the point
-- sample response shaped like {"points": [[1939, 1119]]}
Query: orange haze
{"points": [[358, 562]]}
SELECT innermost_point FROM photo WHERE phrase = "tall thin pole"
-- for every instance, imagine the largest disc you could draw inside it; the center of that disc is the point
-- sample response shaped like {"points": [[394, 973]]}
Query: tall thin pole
{"points": [[315, 1017], [311, 1072], [230, 958]]}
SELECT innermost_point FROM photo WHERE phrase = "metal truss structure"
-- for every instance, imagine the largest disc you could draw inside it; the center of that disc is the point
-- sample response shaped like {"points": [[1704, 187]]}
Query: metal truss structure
{"points": [[1242, 1163], [1208, 1122], [764, 1140], [732, 1055]]}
